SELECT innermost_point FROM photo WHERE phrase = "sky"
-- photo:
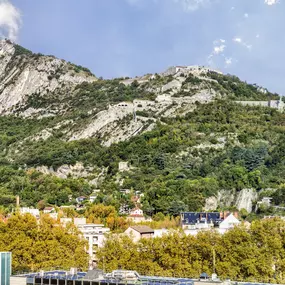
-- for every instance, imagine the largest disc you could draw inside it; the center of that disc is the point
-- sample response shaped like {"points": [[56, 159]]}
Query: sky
{"points": [[116, 38]]}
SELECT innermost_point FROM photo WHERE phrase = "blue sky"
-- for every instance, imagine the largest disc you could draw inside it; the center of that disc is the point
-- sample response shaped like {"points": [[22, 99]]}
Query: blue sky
{"points": [[117, 38]]}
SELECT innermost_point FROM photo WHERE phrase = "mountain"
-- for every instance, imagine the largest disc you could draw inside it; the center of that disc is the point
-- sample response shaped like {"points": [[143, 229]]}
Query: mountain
{"points": [[187, 138]]}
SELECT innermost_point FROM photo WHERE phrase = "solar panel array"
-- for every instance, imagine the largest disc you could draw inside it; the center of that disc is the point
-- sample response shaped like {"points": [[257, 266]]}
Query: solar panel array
{"points": [[191, 218], [83, 278]]}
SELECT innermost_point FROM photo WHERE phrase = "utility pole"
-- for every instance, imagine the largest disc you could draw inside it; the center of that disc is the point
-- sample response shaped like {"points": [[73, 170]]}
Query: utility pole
{"points": [[214, 260]]}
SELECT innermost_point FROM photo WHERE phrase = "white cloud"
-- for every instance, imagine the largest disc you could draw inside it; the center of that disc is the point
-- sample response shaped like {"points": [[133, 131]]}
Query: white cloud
{"points": [[238, 40], [217, 52], [10, 20], [246, 15], [248, 46], [187, 5], [219, 49], [192, 5], [271, 2], [228, 61], [241, 42]]}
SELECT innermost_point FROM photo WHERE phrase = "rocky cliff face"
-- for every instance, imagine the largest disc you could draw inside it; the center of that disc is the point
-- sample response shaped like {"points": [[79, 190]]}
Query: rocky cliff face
{"points": [[243, 199], [23, 74], [38, 86]]}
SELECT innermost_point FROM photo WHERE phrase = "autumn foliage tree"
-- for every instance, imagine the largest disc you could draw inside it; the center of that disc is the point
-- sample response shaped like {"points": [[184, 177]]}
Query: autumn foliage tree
{"points": [[43, 245], [256, 254], [99, 213]]}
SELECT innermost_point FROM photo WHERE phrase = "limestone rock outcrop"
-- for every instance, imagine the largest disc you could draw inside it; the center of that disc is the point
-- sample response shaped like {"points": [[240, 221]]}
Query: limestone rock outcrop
{"points": [[23, 74]]}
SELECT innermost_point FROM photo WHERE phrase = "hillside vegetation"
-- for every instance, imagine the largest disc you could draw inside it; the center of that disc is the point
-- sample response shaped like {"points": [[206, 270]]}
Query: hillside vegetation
{"points": [[177, 165], [184, 136]]}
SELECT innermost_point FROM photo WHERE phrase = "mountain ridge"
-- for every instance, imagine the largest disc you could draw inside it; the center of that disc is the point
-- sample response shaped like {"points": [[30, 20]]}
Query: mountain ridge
{"points": [[23, 73], [183, 133]]}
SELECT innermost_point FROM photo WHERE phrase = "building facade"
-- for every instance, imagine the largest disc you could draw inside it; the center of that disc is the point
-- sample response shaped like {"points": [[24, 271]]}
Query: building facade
{"points": [[95, 235], [139, 232], [5, 267], [26, 210], [194, 222]]}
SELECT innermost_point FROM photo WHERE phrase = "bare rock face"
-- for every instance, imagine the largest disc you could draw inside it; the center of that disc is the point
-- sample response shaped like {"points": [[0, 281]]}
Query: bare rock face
{"points": [[123, 121], [225, 198], [245, 199], [23, 74], [78, 170], [211, 204], [27, 80]]}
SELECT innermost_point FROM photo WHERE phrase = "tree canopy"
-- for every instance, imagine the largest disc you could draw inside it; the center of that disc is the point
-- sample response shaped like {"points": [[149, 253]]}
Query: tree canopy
{"points": [[241, 254], [41, 246]]}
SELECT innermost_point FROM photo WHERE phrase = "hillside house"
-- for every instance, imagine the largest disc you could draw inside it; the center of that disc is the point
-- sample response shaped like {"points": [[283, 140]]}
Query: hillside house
{"points": [[136, 215], [139, 232], [123, 166], [94, 195], [266, 201], [200, 220], [80, 199], [48, 210], [34, 212], [192, 222], [229, 222]]}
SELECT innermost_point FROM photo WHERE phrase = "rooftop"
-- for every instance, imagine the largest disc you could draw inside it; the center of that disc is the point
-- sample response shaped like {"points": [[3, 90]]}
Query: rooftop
{"points": [[142, 229]]}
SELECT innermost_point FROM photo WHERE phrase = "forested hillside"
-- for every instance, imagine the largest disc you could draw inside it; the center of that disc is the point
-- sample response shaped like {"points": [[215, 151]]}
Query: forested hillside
{"points": [[184, 136], [183, 160]]}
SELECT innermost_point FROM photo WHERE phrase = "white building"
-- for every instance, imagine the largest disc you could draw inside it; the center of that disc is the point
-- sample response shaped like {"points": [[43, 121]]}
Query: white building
{"points": [[136, 212], [48, 210], [34, 212], [53, 215], [202, 224], [79, 221], [138, 232], [266, 201], [228, 223], [65, 221], [136, 215], [95, 235], [123, 166], [94, 195]]}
